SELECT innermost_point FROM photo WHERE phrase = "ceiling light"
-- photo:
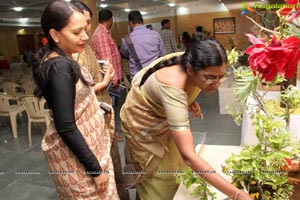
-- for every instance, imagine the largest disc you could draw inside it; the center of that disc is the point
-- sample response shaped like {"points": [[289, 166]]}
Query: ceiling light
{"points": [[172, 4], [103, 5], [182, 10], [18, 9], [127, 10], [143, 13], [67, 0]]}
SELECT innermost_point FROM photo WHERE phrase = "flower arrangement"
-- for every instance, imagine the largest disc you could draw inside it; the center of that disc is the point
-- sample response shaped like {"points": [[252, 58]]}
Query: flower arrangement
{"points": [[264, 170]]}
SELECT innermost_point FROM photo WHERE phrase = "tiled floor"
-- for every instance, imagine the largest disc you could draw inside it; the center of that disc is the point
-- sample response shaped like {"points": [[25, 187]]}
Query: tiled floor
{"points": [[17, 157]]}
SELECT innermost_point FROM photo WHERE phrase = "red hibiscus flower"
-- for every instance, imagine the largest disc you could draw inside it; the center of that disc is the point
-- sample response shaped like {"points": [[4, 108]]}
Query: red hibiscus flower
{"points": [[274, 58], [291, 10]]}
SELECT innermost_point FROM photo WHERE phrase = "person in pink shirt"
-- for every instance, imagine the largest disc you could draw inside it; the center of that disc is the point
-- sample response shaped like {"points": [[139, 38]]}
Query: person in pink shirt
{"points": [[104, 46]]}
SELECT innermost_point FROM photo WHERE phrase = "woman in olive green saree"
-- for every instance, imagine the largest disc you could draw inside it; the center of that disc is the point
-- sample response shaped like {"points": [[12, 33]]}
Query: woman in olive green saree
{"points": [[156, 123]]}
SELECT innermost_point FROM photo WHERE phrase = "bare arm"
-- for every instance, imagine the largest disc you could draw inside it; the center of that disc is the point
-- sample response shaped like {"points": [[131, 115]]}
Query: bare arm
{"points": [[109, 73], [185, 145]]}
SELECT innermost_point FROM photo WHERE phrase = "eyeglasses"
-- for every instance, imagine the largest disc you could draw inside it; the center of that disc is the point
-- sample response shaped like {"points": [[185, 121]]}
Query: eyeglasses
{"points": [[212, 79]]}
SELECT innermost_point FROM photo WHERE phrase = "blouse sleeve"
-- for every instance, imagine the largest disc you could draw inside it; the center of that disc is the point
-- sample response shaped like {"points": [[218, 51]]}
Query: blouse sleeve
{"points": [[61, 90], [172, 100], [175, 105]]}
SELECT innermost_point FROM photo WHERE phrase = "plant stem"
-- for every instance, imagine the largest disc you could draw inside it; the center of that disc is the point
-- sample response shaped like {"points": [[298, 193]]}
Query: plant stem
{"points": [[259, 100], [285, 102], [260, 26], [287, 115], [261, 192]]}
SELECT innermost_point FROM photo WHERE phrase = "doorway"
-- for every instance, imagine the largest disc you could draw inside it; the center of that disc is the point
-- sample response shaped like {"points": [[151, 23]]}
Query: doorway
{"points": [[24, 42]]}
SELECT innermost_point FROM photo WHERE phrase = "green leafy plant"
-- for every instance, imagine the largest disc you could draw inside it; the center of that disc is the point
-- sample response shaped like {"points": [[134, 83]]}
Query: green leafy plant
{"points": [[189, 178], [261, 169], [232, 56]]}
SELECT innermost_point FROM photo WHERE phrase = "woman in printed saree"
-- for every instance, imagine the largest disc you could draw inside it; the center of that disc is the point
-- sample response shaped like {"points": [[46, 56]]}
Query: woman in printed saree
{"points": [[77, 142], [88, 60], [156, 124]]}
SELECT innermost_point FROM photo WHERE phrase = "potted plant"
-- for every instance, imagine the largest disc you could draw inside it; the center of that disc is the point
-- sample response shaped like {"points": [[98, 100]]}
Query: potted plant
{"points": [[263, 169], [268, 169]]}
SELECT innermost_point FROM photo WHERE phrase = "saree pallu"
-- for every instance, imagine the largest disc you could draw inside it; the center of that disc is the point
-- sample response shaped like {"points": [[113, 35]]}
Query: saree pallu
{"points": [[88, 60], [151, 156], [71, 179]]}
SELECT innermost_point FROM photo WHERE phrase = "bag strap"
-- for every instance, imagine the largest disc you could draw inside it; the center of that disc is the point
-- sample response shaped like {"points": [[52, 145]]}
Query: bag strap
{"points": [[135, 56]]}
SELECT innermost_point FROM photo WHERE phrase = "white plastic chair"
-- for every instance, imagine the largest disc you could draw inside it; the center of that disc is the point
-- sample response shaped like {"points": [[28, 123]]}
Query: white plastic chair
{"points": [[8, 109], [35, 111], [13, 89], [25, 78], [29, 87]]}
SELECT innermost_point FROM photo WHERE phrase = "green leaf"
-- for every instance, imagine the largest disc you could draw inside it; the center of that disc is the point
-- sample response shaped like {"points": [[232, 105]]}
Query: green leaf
{"points": [[276, 140], [285, 154], [245, 154]]}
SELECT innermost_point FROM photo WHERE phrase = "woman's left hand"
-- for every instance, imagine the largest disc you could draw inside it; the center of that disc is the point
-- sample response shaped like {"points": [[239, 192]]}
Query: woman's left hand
{"points": [[108, 72], [196, 110]]}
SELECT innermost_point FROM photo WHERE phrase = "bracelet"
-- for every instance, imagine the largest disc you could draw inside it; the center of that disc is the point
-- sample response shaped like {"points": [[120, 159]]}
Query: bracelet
{"points": [[210, 169], [237, 195]]}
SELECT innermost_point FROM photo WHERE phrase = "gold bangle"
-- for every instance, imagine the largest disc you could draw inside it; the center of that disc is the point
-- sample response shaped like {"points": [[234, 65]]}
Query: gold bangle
{"points": [[208, 172], [237, 195]]}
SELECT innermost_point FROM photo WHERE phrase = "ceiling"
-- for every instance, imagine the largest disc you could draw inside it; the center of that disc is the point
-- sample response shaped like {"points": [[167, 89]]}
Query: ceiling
{"points": [[34, 8]]}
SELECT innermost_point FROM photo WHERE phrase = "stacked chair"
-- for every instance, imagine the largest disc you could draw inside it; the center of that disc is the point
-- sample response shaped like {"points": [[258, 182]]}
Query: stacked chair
{"points": [[16, 97], [35, 109]]}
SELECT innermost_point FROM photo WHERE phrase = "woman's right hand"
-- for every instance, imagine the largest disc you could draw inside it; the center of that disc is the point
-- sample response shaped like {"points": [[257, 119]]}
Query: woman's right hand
{"points": [[101, 182]]}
